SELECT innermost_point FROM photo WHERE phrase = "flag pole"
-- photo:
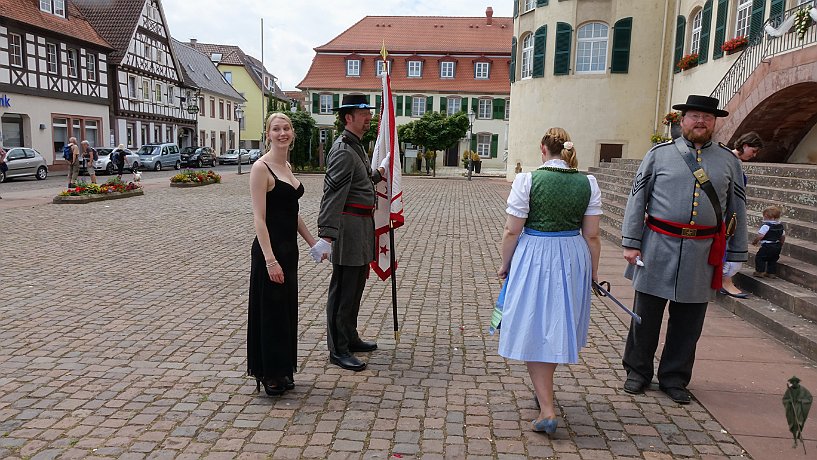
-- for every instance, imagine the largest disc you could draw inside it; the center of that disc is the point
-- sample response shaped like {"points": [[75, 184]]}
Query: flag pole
{"points": [[393, 282]]}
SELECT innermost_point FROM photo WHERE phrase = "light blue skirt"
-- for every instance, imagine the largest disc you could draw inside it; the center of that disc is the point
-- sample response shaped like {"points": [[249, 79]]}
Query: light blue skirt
{"points": [[547, 303]]}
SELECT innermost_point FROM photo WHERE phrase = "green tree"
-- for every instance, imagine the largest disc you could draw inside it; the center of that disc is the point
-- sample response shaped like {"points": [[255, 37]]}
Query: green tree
{"points": [[304, 126], [436, 131], [368, 137]]}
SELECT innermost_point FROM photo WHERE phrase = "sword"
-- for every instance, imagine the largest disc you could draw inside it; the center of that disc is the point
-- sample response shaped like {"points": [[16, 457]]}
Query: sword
{"points": [[601, 292]]}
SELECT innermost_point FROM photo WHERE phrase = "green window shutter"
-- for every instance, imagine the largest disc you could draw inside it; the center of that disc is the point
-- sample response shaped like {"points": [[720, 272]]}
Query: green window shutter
{"points": [[512, 70], [515, 8], [756, 21], [443, 105], [499, 109], [335, 101], [368, 99], [429, 103], [777, 8], [316, 102], [706, 25], [720, 28], [622, 34], [399, 110], [378, 100], [539, 41], [464, 105], [561, 59], [541, 2], [474, 142], [475, 105], [494, 145], [680, 25]]}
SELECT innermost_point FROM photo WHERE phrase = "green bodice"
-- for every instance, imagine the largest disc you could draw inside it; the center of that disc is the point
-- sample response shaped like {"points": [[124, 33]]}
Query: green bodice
{"points": [[558, 199]]}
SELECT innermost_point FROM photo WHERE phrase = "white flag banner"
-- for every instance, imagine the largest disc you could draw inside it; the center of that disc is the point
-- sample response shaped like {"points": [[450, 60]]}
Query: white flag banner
{"points": [[389, 208]]}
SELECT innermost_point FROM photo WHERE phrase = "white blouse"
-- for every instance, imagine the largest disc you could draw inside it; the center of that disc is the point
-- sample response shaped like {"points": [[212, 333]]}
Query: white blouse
{"points": [[519, 199]]}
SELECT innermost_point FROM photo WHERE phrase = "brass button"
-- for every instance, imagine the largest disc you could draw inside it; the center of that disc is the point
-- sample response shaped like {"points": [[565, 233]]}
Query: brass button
{"points": [[691, 222], [697, 185], [697, 194], [699, 151], [694, 203], [699, 160], [694, 213]]}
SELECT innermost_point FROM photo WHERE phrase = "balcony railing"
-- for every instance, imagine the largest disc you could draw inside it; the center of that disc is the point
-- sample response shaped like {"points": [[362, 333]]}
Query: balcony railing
{"points": [[761, 48]]}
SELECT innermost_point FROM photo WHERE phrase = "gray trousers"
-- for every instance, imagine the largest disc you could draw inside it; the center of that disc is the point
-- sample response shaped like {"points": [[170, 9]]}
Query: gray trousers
{"points": [[73, 173], [345, 293]]}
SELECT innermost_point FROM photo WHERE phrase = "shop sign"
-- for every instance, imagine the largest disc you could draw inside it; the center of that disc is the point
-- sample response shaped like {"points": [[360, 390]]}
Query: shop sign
{"points": [[5, 101]]}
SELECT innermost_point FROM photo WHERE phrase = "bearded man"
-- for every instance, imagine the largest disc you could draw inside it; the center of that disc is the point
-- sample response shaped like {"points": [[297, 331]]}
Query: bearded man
{"points": [[685, 195]]}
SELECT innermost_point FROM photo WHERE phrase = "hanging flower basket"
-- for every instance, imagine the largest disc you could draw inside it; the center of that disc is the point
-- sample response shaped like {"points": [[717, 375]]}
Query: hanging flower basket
{"points": [[672, 117], [687, 62], [802, 22], [734, 45]]}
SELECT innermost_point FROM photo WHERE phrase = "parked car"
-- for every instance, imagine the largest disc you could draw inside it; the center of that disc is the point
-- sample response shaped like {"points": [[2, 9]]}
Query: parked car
{"points": [[230, 157], [255, 154], [198, 156], [105, 163], [23, 161], [158, 156]]}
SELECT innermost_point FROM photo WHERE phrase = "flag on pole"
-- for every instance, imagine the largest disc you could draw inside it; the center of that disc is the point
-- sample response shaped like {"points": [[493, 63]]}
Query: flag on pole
{"points": [[389, 208]]}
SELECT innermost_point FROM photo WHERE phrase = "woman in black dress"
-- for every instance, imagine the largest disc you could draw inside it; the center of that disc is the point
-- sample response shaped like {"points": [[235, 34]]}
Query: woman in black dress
{"points": [[272, 336]]}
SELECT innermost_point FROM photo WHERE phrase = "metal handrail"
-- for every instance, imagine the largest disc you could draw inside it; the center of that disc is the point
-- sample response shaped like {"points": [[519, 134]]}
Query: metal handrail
{"points": [[758, 50]]}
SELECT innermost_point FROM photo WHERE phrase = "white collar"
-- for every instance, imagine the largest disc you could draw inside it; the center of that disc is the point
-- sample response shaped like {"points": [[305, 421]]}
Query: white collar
{"points": [[556, 163]]}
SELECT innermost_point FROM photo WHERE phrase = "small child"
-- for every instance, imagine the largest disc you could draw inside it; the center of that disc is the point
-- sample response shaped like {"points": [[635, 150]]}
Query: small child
{"points": [[771, 236]]}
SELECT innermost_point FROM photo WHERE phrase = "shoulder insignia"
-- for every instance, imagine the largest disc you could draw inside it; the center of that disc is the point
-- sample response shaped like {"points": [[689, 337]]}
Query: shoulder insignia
{"points": [[725, 147], [662, 144]]}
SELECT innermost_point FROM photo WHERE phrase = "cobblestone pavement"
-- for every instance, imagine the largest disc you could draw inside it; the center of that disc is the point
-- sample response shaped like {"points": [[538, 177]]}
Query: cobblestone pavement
{"points": [[122, 335]]}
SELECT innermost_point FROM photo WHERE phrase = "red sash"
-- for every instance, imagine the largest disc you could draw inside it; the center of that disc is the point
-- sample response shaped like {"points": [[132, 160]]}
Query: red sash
{"points": [[697, 232]]}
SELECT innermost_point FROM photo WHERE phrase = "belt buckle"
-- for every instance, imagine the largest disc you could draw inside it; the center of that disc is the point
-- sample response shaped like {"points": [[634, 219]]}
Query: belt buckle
{"points": [[689, 232]]}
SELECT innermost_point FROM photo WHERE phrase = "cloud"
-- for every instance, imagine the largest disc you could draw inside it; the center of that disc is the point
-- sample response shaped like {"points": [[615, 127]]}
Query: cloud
{"points": [[293, 28]]}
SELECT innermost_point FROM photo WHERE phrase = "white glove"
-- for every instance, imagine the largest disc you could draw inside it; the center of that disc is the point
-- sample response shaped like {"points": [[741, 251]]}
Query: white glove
{"points": [[321, 248], [385, 163]]}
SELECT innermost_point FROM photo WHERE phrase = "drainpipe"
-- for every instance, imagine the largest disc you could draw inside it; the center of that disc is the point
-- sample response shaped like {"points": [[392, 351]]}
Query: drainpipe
{"points": [[661, 68]]}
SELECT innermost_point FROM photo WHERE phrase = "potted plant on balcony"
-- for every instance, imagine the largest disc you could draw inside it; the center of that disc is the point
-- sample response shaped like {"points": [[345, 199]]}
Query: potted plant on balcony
{"points": [[673, 120], [734, 45], [687, 62], [802, 22]]}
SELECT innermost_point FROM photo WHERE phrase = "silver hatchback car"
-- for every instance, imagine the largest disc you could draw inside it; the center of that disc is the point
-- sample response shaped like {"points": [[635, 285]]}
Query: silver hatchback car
{"points": [[23, 161]]}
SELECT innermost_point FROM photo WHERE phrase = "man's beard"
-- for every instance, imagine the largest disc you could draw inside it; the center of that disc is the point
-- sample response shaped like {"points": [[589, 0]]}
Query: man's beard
{"points": [[702, 138]]}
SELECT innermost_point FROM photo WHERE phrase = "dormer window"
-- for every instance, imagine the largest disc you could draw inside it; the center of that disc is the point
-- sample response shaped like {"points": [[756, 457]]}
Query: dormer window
{"points": [[55, 7], [379, 67], [353, 67], [482, 70], [415, 69], [447, 69], [215, 57]]}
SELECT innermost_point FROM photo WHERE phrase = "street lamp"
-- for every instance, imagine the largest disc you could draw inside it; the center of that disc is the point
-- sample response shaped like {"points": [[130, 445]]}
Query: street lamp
{"points": [[239, 114], [471, 116]]}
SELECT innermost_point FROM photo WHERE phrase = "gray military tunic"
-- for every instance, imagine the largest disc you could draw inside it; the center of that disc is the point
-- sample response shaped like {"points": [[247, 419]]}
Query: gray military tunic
{"points": [[349, 181], [674, 268]]}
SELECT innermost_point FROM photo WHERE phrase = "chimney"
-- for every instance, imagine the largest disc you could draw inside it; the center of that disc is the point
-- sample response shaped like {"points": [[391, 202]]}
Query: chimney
{"points": [[193, 41], [489, 15]]}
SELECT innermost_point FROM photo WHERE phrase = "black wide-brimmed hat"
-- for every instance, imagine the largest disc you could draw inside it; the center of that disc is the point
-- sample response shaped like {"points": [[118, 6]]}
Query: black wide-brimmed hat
{"points": [[353, 101], [702, 104]]}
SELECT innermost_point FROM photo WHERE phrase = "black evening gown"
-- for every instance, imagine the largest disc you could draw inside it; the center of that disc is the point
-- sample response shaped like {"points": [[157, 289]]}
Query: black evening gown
{"points": [[272, 323]]}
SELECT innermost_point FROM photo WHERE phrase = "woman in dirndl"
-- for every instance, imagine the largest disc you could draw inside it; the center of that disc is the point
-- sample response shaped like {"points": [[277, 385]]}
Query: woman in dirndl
{"points": [[550, 254]]}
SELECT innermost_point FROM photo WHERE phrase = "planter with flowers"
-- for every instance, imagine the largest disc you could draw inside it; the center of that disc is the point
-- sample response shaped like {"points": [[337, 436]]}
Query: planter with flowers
{"points": [[673, 120], [86, 193], [734, 45], [191, 178], [687, 62], [802, 21]]}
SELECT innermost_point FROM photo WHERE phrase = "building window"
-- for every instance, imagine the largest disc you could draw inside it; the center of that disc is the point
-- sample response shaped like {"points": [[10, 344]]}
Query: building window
{"points": [[56, 7], [221, 109], [353, 68], [481, 70], [131, 135], [229, 77], [168, 134], [59, 127], [418, 106], [170, 96], [485, 108], [212, 107], [323, 135], [72, 63], [145, 90], [454, 105], [591, 48], [326, 103], [415, 69], [52, 59], [90, 67], [215, 57], [229, 111], [379, 67], [507, 108], [742, 22], [158, 92], [484, 145], [201, 107], [446, 69], [91, 132], [695, 40], [527, 56], [16, 50]]}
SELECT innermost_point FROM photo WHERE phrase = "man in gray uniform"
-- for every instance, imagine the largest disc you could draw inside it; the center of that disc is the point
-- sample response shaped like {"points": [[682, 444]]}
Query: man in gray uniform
{"points": [[345, 220], [676, 250]]}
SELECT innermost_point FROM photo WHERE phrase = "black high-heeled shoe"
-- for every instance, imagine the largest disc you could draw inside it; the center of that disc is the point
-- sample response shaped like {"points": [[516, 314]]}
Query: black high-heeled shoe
{"points": [[273, 387], [289, 383]]}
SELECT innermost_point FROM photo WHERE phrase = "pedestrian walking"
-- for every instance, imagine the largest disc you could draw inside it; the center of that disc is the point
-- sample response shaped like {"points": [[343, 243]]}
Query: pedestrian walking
{"points": [[346, 230], [3, 166], [89, 156], [118, 158], [686, 187], [73, 163], [550, 256]]}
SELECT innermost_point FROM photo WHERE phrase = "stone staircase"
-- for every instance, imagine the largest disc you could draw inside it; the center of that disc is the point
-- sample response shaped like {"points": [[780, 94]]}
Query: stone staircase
{"points": [[785, 307]]}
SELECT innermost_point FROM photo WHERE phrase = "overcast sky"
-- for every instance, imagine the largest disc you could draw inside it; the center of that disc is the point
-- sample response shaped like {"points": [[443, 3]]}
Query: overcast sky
{"points": [[292, 28]]}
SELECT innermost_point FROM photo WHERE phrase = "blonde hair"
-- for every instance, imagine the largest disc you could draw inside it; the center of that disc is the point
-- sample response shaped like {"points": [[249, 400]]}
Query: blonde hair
{"points": [[554, 141], [276, 116]]}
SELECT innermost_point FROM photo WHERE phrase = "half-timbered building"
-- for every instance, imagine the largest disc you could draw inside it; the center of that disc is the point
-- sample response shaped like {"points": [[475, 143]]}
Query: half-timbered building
{"points": [[146, 85], [53, 77]]}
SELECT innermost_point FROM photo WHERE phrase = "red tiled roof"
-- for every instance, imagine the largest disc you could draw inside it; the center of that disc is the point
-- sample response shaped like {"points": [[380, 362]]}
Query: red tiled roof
{"points": [[425, 34], [329, 72], [75, 26], [115, 20], [427, 38]]}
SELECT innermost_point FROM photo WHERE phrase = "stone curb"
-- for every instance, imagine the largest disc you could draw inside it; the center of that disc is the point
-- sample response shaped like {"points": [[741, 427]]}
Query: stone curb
{"points": [[82, 199], [191, 184]]}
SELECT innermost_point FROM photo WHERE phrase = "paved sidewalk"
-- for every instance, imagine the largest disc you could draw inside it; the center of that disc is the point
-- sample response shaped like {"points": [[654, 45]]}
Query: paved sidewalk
{"points": [[140, 351]]}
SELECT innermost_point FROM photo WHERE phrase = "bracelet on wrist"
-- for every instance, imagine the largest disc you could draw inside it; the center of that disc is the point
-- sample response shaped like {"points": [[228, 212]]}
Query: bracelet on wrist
{"points": [[272, 264]]}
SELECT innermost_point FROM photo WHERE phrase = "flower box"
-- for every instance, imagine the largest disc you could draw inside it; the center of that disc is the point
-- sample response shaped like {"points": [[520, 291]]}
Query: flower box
{"points": [[734, 45], [687, 62], [86, 193], [82, 199], [191, 178], [192, 184]]}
